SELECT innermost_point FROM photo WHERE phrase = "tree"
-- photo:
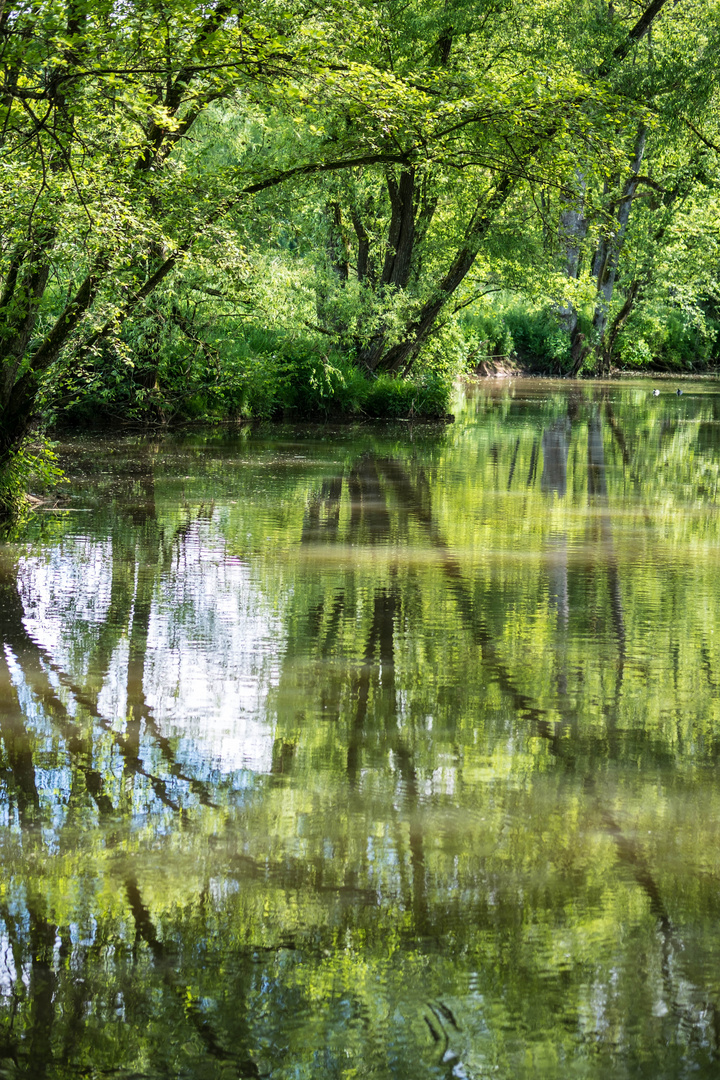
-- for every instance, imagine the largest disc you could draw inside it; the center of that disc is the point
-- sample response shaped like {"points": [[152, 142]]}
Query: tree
{"points": [[509, 100], [103, 194], [617, 223]]}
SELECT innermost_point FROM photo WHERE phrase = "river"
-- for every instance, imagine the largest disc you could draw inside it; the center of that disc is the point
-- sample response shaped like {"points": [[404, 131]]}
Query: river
{"points": [[375, 752]]}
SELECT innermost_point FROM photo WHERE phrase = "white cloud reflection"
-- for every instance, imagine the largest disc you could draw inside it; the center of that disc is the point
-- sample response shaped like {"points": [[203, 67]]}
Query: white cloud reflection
{"points": [[214, 642], [214, 648]]}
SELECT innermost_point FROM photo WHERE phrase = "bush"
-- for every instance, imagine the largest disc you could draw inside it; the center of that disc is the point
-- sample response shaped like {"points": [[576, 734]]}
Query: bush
{"points": [[391, 398], [33, 465], [155, 374], [530, 335], [540, 341], [634, 352], [489, 334], [313, 386], [664, 336]]}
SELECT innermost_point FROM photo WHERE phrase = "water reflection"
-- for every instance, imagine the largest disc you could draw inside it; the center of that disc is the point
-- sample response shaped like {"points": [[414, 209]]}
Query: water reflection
{"points": [[556, 446], [379, 754]]}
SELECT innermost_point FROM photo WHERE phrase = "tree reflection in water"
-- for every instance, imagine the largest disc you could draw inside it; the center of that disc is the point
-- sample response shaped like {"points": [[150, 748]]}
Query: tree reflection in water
{"points": [[350, 764]]}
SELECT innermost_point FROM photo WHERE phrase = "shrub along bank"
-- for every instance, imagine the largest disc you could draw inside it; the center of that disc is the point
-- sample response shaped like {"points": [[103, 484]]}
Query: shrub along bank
{"points": [[154, 374], [656, 337], [260, 374]]}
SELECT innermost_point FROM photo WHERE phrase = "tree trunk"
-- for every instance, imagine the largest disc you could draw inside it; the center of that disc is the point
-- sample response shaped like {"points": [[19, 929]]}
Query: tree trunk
{"points": [[572, 231], [610, 248], [399, 254], [17, 406], [400, 357], [363, 257]]}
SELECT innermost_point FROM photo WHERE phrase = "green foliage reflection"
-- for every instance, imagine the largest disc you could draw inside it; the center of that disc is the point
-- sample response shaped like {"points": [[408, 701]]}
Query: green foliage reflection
{"points": [[335, 753]]}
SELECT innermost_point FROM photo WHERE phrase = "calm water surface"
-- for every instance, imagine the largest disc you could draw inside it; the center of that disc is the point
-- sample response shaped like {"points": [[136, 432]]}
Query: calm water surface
{"points": [[375, 753]]}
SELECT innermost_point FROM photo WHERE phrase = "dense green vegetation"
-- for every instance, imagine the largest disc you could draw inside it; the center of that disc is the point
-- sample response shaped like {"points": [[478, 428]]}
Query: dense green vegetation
{"points": [[208, 212]]}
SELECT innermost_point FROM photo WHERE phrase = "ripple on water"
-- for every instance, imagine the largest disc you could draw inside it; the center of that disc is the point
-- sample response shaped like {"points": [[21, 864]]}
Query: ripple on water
{"points": [[379, 756]]}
